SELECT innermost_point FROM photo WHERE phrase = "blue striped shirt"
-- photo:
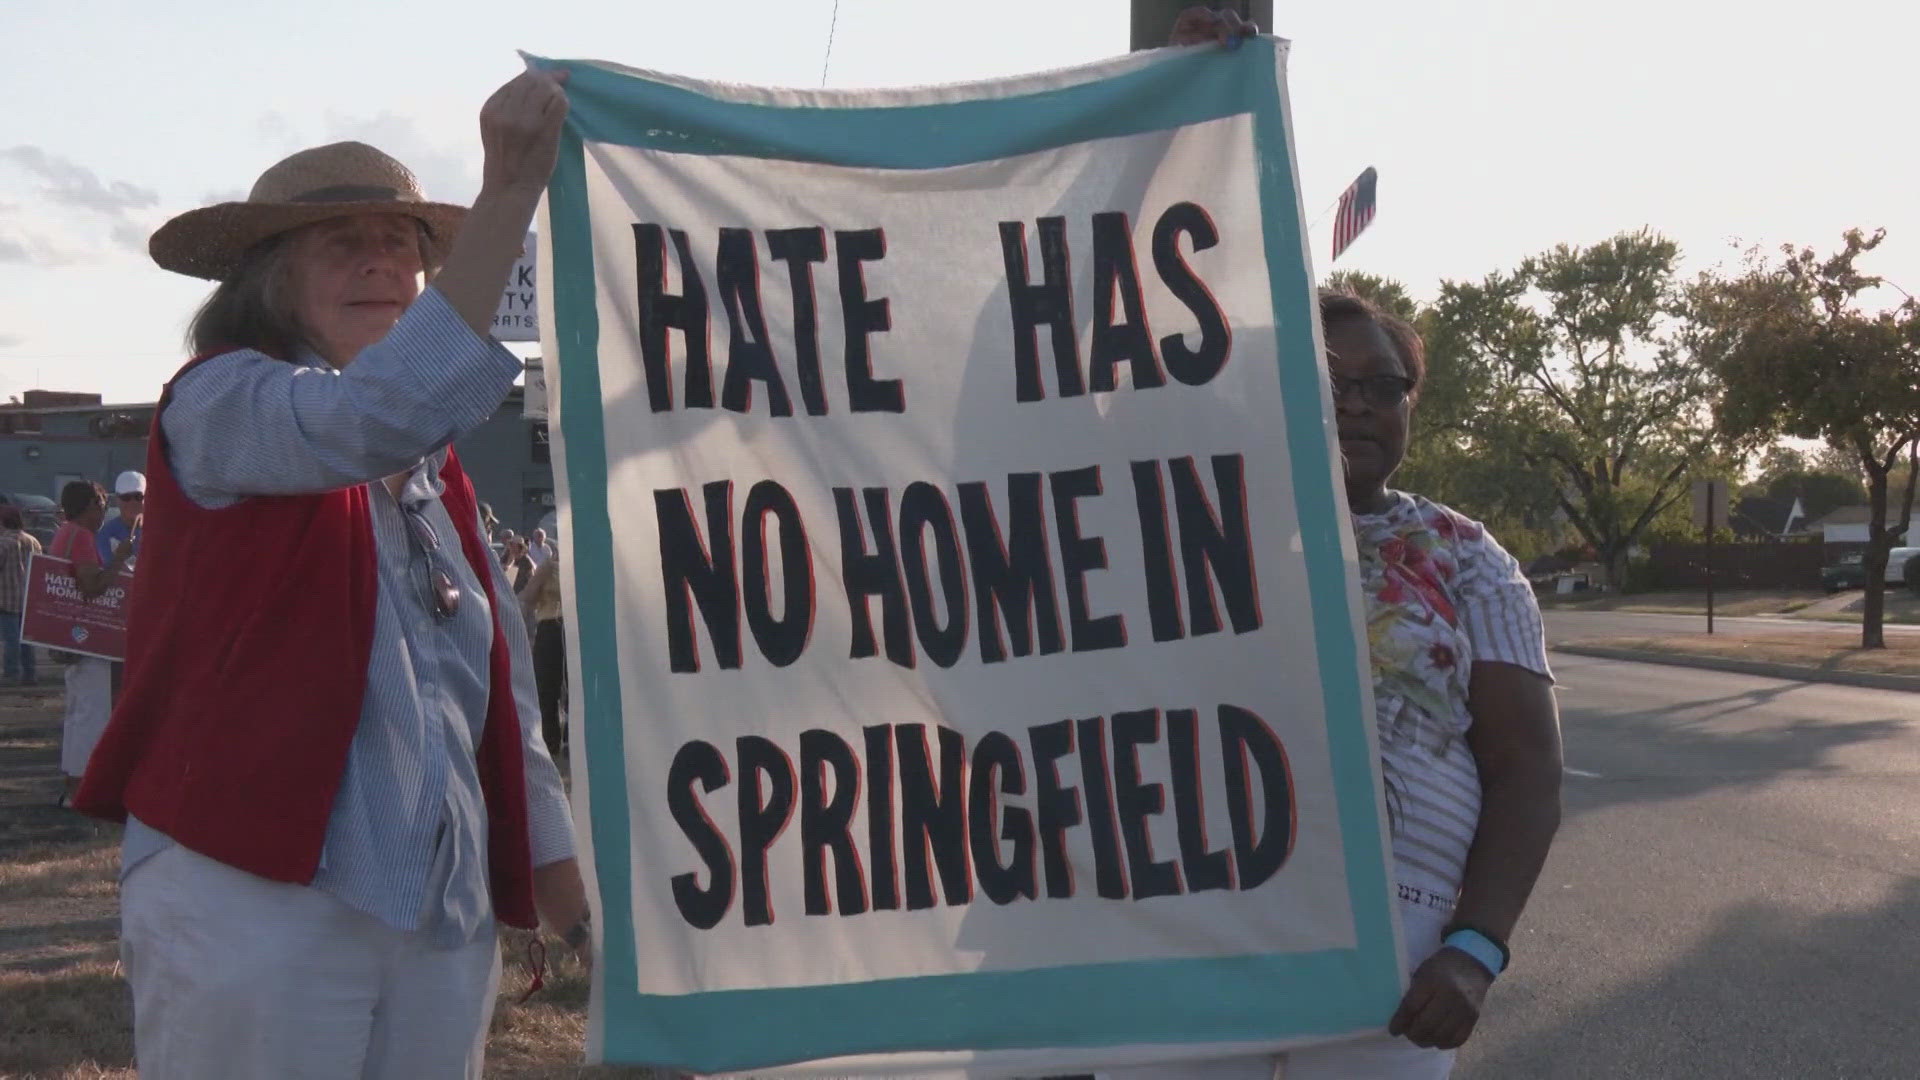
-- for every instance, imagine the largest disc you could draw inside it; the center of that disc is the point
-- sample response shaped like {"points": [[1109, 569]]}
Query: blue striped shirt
{"points": [[407, 839]]}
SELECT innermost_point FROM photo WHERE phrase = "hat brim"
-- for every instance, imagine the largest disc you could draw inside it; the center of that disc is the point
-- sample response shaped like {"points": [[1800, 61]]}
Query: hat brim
{"points": [[208, 242]]}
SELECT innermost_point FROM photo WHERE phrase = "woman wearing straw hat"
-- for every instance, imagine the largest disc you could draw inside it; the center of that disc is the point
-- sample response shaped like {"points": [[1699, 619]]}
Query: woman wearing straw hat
{"points": [[327, 750]]}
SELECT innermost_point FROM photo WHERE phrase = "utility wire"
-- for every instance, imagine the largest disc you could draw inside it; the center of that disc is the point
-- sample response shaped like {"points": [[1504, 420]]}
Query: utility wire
{"points": [[832, 25]]}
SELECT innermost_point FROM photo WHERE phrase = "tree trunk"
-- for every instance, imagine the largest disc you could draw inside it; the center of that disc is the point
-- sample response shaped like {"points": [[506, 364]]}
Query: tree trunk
{"points": [[1613, 564], [1874, 563]]}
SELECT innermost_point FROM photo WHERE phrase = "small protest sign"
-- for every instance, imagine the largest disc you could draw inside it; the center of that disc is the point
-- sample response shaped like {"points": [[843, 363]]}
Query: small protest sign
{"points": [[59, 617], [517, 318]]}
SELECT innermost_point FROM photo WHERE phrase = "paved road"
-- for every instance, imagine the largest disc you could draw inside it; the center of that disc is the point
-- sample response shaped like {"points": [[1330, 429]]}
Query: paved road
{"points": [[1735, 891], [1563, 626]]}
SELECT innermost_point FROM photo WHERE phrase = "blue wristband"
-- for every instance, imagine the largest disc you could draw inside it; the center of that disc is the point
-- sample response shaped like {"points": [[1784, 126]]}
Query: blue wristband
{"points": [[1481, 947]]}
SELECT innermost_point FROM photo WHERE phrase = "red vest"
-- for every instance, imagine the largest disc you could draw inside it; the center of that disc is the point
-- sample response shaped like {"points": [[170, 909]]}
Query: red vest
{"points": [[248, 633]]}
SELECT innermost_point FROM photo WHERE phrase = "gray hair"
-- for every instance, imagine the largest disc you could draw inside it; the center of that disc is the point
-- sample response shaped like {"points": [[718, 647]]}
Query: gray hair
{"points": [[253, 307]]}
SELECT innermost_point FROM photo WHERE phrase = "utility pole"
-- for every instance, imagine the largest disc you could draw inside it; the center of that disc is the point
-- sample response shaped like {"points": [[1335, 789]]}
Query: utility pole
{"points": [[1153, 19]]}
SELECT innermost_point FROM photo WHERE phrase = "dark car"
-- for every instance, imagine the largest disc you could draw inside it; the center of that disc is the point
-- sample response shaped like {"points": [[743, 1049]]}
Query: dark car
{"points": [[1849, 572], [41, 514]]}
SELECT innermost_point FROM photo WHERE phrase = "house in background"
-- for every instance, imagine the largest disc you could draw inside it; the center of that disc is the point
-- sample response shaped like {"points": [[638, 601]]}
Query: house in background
{"points": [[1845, 529], [1762, 517]]}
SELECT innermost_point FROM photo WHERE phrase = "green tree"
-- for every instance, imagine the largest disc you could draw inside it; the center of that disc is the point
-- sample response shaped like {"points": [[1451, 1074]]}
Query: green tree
{"points": [[1799, 356], [1821, 483], [1515, 500], [1585, 381], [1386, 293]]}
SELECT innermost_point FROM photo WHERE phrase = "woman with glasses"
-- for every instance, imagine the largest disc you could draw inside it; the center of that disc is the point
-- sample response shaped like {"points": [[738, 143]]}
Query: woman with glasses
{"points": [[328, 750], [1469, 733]]}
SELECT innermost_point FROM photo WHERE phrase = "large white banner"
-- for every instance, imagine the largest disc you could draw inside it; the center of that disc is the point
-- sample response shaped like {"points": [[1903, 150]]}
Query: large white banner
{"points": [[959, 593]]}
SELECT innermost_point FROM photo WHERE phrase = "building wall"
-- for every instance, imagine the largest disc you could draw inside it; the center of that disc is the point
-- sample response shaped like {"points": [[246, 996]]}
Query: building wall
{"points": [[66, 447], [509, 471], [1855, 536], [509, 468]]}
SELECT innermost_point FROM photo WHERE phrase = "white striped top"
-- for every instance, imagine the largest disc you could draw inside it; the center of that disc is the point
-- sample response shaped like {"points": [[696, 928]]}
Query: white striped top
{"points": [[1441, 595]]}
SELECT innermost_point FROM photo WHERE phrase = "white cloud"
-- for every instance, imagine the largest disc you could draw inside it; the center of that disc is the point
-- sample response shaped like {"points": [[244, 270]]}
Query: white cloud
{"points": [[70, 184], [20, 246], [78, 216]]}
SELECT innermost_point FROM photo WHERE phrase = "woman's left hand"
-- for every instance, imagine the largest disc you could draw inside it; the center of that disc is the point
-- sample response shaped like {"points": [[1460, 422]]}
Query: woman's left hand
{"points": [[560, 895], [1443, 1001]]}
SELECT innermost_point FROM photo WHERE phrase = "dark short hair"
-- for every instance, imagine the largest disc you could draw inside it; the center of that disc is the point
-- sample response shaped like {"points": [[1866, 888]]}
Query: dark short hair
{"points": [[80, 496], [1337, 305], [10, 517]]}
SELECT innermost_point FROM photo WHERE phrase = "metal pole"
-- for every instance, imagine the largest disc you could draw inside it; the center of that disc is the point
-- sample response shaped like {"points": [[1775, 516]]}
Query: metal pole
{"points": [[1711, 485], [1152, 20]]}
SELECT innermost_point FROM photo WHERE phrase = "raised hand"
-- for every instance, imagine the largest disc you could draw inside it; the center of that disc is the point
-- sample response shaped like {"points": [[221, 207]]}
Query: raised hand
{"points": [[520, 129], [1199, 26]]}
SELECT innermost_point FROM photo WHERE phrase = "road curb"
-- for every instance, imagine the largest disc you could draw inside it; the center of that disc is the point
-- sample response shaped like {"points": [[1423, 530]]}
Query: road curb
{"points": [[1871, 680]]}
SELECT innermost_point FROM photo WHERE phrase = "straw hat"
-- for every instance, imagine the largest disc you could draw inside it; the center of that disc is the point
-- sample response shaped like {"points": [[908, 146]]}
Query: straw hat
{"points": [[313, 185]]}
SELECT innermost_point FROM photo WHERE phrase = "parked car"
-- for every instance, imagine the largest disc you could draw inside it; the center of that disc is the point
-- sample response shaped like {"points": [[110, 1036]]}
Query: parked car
{"points": [[1850, 572], [1898, 562], [41, 514]]}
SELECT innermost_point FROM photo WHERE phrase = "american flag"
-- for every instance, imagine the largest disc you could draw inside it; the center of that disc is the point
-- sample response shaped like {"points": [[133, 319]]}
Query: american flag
{"points": [[1356, 211]]}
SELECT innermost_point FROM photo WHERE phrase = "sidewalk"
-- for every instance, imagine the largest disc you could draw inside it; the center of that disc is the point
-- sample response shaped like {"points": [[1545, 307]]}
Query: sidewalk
{"points": [[1796, 656]]}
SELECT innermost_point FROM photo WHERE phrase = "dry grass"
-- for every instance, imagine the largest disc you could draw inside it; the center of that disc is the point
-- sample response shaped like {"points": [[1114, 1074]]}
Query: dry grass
{"points": [[1829, 652], [65, 1012]]}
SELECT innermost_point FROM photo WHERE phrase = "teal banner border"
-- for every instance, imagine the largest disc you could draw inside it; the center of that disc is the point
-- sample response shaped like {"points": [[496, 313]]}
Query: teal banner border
{"points": [[1173, 1001]]}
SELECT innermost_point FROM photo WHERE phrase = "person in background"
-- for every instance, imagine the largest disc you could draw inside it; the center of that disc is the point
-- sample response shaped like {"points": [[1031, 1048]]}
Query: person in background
{"points": [[489, 525], [17, 549], [517, 562], [327, 752], [89, 678], [541, 599], [130, 490], [538, 549]]}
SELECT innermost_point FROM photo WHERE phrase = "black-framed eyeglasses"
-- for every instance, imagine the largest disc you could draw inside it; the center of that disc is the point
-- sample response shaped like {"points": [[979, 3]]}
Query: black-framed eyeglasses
{"points": [[1379, 391], [437, 587]]}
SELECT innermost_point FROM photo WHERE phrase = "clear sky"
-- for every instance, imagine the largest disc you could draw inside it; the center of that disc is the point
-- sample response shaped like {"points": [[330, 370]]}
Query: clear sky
{"points": [[1500, 127]]}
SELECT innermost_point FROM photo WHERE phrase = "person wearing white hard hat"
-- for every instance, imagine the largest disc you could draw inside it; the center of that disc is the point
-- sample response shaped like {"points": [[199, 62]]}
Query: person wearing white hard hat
{"points": [[130, 491]]}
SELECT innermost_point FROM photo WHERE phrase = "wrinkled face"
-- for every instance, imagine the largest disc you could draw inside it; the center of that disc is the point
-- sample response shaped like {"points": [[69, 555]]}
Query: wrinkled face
{"points": [[352, 277], [1367, 374], [539, 537]]}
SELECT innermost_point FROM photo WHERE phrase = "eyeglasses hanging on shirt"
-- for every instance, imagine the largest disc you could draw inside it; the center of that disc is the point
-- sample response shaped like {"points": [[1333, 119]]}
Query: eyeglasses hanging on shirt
{"points": [[437, 587]]}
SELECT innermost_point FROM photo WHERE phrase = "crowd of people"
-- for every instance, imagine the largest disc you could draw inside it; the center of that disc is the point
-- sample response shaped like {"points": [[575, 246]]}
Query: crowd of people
{"points": [[337, 767]]}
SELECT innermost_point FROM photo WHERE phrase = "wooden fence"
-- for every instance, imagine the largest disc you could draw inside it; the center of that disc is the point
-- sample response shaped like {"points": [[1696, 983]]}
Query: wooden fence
{"points": [[1778, 565]]}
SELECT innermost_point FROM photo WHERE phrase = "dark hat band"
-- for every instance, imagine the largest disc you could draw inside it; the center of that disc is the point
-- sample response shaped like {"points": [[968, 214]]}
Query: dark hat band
{"points": [[350, 193]]}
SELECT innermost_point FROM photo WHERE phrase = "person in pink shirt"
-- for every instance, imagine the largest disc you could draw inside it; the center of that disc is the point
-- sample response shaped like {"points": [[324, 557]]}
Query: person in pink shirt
{"points": [[89, 678]]}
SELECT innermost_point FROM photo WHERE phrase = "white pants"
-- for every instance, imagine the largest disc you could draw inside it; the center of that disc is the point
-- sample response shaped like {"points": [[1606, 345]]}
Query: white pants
{"points": [[235, 976], [1369, 1057], [89, 703]]}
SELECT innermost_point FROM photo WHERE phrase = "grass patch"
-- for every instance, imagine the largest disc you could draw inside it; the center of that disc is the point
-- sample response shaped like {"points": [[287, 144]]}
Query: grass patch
{"points": [[1815, 651], [65, 1011], [1902, 608]]}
